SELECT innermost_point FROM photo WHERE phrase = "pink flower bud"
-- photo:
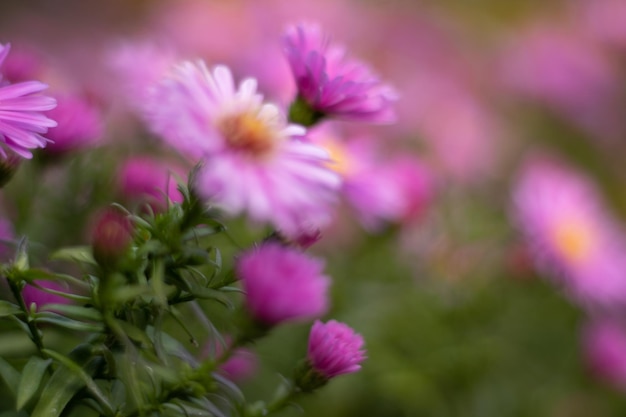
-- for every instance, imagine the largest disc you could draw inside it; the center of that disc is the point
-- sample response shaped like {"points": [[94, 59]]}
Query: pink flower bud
{"points": [[282, 284], [112, 236], [335, 349]]}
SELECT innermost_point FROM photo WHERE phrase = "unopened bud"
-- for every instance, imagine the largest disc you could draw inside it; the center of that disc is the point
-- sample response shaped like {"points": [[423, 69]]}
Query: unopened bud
{"points": [[111, 238]]}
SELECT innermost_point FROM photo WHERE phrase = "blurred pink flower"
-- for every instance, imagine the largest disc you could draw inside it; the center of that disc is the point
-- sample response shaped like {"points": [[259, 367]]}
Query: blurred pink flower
{"points": [[282, 284], [333, 85], [379, 191], [253, 160], [32, 294], [79, 124], [335, 349], [241, 365], [604, 347], [22, 122], [569, 232], [569, 73], [145, 179], [603, 20]]}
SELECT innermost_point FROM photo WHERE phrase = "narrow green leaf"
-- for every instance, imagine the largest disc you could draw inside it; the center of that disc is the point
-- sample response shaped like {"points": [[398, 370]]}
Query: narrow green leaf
{"points": [[10, 376], [32, 375], [87, 380], [59, 390], [62, 321], [9, 309], [72, 311], [76, 253]]}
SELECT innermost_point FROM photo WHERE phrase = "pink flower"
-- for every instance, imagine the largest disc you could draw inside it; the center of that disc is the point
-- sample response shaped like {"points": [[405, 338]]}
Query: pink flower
{"points": [[335, 349], [111, 237], [253, 160], [330, 83], [569, 232], [79, 124], [282, 284], [149, 180], [21, 121], [32, 294], [604, 344], [379, 191]]}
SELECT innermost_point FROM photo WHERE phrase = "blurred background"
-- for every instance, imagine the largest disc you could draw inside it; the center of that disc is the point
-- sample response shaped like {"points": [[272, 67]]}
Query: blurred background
{"points": [[458, 319]]}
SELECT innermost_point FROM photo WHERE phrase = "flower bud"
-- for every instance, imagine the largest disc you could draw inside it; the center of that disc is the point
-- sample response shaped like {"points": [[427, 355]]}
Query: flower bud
{"points": [[334, 349], [111, 238]]}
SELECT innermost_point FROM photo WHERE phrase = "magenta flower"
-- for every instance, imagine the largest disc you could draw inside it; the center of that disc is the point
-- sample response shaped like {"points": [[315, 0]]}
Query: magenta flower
{"points": [[282, 284], [569, 232], [604, 347], [21, 122], [32, 294], [254, 161], [147, 180], [335, 349], [79, 124], [330, 83]]}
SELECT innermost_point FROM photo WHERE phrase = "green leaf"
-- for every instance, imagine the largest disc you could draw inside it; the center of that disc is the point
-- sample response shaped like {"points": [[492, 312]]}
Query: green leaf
{"points": [[62, 321], [32, 375], [86, 379], [10, 376], [77, 312], [9, 309], [76, 254]]}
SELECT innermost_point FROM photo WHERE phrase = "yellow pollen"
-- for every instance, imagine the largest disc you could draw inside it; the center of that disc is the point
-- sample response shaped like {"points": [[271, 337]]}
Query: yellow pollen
{"points": [[245, 132], [340, 161], [574, 239]]}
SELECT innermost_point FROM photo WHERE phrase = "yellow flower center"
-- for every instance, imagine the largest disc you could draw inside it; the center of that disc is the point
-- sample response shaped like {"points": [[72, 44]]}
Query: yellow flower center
{"points": [[574, 239], [247, 133], [340, 161]]}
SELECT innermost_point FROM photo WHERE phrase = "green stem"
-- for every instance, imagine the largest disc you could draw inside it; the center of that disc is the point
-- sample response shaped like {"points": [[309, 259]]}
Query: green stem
{"points": [[35, 334]]}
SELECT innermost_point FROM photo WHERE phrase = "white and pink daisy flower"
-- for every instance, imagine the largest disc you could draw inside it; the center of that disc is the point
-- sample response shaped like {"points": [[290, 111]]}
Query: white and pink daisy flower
{"points": [[22, 122], [570, 234], [333, 85], [254, 162]]}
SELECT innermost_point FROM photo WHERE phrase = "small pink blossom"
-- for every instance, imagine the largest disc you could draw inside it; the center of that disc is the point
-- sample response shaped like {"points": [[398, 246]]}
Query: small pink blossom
{"points": [[32, 294], [335, 349], [282, 284], [332, 84]]}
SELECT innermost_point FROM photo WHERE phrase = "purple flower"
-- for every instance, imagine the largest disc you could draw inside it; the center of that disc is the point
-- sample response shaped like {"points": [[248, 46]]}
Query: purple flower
{"points": [[282, 284], [335, 349], [33, 294], [330, 83], [570, 233], [21, 121], [253, 160]]}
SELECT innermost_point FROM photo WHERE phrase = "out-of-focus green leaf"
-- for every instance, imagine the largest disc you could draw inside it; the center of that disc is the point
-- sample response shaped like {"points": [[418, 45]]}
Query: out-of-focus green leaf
{"points": [[75, 254], [10, 376], [78, 371], [62, 321], [9, 309], [72, 311], [32, 375]]}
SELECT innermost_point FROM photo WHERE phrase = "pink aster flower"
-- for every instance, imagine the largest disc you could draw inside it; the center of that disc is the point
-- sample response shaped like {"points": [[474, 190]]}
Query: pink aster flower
{"points": [[149, 181], [254, 162], [282, 284], [21, 121], [332, 84], [335, 349], [604, 347], [570, 233], [79, 124]]}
